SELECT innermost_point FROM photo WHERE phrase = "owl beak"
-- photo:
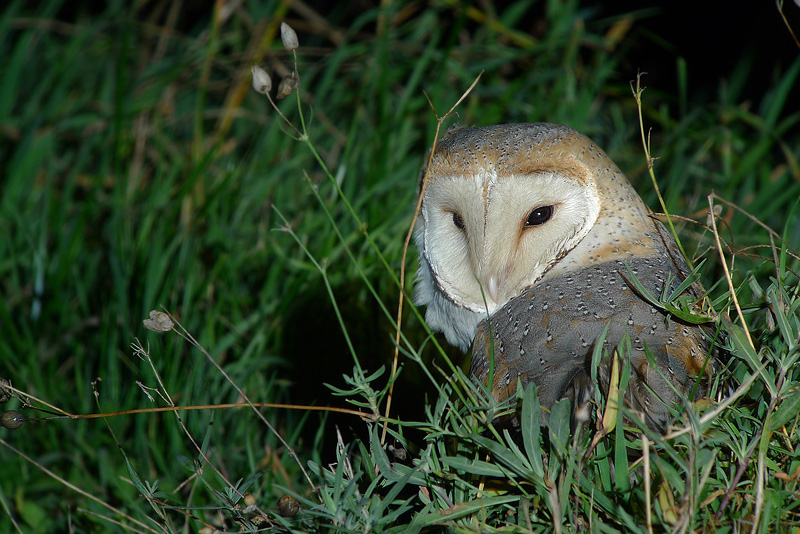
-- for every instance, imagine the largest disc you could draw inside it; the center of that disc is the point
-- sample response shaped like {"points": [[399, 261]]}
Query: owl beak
{"points": [[493, 286]]}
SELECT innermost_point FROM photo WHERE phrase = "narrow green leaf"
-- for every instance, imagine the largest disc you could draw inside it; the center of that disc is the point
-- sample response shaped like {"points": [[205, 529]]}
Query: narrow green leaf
{"points": [[560, 418], [787, 410], [743, 350], [684, 314], [621, 479], [531, 430], [690, 279], [380, 456], [512, 446], [777, 304], [474, 467], [505, 455], [137, 481], [464, 509]]}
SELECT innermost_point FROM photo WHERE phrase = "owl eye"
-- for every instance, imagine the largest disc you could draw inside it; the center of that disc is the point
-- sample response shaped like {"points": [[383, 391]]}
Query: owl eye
{"points": [[539, 216], [458, 220]]}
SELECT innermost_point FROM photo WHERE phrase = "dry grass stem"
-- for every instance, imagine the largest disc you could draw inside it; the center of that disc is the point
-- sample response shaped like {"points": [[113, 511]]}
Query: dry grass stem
{"points": [[409, 234], [76, 489]]}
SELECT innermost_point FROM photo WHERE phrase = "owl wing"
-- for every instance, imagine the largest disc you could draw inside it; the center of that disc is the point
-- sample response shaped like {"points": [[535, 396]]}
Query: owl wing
{"points": [[547, 335]]}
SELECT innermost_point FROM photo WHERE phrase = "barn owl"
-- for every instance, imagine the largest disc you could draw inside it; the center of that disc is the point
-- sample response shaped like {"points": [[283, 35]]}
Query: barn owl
{"points": [[526, 236]]}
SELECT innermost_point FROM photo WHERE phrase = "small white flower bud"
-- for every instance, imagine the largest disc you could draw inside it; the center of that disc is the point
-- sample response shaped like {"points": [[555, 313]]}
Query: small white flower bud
{"points": [[289, 37], [262, 83], [713, 215]]}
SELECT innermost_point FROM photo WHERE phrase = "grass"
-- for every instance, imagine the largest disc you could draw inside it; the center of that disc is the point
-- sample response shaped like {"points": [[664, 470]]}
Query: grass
{"points": [[140, 171]]}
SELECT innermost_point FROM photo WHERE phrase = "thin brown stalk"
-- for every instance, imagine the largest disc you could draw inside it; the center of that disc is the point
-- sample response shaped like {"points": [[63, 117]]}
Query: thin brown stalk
{"points": [[25, 397], [761, 474], [439, 121], [637, 95], [187, 336], [113, 521], [364, 415], [646, 474], [555, 506], [727, 272], [9, 514], [708, 416], [75, 488], [779, 4], [750, 216]]}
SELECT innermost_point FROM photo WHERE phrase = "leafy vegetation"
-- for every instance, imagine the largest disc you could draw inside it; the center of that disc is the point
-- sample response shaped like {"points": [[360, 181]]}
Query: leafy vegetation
{"points": [[141, 172]]}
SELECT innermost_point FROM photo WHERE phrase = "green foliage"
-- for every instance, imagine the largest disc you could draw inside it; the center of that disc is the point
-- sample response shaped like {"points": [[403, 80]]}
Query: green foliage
{"points": [[678, 303], [139, 171]]}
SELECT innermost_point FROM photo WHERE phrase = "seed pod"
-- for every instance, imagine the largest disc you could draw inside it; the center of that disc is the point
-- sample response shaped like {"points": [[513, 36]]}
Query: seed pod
{"points": [[289, 37], [262, 83], [158, 322], [12, 420], [399, 452], [288, 506], [249, 504], [5, 394], [286, 86]]}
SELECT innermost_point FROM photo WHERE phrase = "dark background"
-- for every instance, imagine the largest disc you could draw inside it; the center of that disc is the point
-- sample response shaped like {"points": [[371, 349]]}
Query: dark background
{"points": [[715, 38]]}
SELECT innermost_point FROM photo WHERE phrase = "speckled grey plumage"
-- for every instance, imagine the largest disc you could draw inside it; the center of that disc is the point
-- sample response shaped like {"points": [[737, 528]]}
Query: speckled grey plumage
{"points": [[547, 334]]}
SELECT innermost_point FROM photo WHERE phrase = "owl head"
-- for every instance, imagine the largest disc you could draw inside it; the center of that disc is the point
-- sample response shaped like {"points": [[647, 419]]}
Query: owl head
{"points": [[506, 206]]}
